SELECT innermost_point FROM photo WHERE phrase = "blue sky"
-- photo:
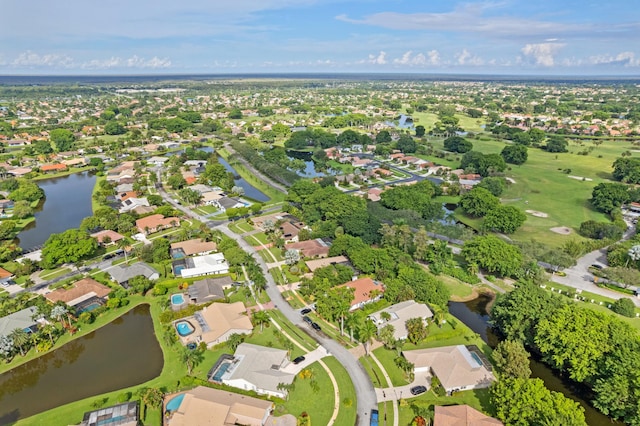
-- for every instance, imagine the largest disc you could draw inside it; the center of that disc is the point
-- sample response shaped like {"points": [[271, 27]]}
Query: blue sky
{"points": [[560, 37]]}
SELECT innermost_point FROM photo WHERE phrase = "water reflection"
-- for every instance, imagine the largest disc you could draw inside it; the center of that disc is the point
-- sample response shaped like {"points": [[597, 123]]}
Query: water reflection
{"points": [[118, 355]]}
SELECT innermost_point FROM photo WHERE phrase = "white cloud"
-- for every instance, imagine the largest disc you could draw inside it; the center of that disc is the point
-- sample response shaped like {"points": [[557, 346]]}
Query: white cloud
{"points": [[408, 59], [626, 59], [31, 59], [466, 58], [380, 59], [134, 61], [472, 18], [542, 53]]}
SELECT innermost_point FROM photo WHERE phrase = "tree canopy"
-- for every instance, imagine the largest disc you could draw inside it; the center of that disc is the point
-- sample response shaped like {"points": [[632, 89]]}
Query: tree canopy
{"points": [[493, 254], [69, 246]]}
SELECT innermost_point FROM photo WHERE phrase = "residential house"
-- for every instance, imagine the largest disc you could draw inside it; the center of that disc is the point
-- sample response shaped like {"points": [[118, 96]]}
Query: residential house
{"points": [[365, 290], [398, 316], [456, 367], [214, 407], [107, 237], [81, 294], [373, 194], [17, 142], [211, 198], [5, 276], [133, 204], [225, 203], [22, 319], [156, 222], [20, 171], [53, 168], [75, 162], [327, 261], [209, 289], [197, 266], [290, 231], [260, 369], [201, 188], [310, 248], [216, 322], [157, 161], [122, 274], [125, 414], [461, 415], [196, 246]]}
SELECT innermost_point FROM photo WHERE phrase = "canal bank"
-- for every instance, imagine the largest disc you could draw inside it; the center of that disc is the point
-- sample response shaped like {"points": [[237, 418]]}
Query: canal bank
{"points": [[475, 315]]}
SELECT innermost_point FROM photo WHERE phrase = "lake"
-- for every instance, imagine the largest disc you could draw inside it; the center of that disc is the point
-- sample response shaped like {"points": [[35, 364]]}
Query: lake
{"points": [[474, 314], [121, 354], [309, 165], [249, 190], [67, 201]]}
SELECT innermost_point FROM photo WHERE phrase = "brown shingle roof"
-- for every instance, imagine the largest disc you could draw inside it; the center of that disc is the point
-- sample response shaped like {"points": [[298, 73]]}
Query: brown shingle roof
{"points": [[461, 415], [195, 246], [82, 288]]}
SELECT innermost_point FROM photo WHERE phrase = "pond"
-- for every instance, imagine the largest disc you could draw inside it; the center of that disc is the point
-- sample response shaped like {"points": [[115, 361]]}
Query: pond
{"points": [[474, 314], [403, 122], [249, 190], [310, 170], [67, 201], [123, 353]]}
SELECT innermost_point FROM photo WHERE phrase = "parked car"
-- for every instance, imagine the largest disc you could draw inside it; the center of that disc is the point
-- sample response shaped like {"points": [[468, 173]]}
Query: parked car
{"points": [[298, 360], [374, 418], [595, 265], [305, 311], [417, 390], [315, 326], [108, 256], [307, 319]]}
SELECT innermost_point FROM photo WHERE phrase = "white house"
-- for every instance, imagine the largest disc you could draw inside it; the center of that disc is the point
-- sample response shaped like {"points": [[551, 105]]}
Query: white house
{"points": [[398, 316], [208, 264]]}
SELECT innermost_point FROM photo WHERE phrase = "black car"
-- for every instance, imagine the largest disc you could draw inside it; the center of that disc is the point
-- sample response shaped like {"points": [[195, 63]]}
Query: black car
{"points": [[108, 256], [595, 265], [315, 326], [298, 360], [307, 319], [305, 311], [417, 390]]}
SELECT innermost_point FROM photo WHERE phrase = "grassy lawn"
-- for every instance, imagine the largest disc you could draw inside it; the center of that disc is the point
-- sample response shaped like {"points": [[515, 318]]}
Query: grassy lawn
{"points": [[458, 289], [268, 337], [386, 357], [385, 411], [294, 332], [541, 185], [277, 253], [348, 403], [377, 378], [240, 227], [317, 404], [206, 210], [50, 274]]}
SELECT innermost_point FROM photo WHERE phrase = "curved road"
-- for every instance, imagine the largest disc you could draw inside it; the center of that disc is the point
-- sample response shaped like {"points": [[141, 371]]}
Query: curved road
{"points": [[365, 394]]}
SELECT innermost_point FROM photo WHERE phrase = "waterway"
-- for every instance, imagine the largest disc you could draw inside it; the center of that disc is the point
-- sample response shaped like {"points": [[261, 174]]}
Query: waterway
{"points": [[474, 314], [249, 190], [310, 170], [67, 201], [121, 354]]}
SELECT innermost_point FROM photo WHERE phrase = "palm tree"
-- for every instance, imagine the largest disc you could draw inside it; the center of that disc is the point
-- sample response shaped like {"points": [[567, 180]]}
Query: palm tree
{"points": [[122, 245], [58, 312], [48, 329], [366, 331], [260, 318], [20, 338], [634, 254], [192, 358]]}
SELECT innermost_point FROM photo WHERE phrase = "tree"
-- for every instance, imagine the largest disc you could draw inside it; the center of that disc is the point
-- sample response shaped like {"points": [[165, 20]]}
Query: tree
{"points": [[556, 144], [505, 219], [512, 359], [190, 196], [386, 336], [627, 170], [416, 330], [633, 253], [260, 318], [494, 184], [234, 340], [292, 256], [67, 247], [63, 139], [406, 144], [527, 402], [20, 338], [493, 254], [478, 202], [176, 181], [623, 275], [192, 358], [22, 209], [6, 346], [58, 313], [383, 137], [607, 196], [114, 128], [515, 154], [366, 331], [457, 144], [624, 307], [420, 131]]}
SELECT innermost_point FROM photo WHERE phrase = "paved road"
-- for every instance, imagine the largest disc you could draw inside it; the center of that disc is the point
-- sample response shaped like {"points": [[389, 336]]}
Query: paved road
{"points": [[365, 394]]}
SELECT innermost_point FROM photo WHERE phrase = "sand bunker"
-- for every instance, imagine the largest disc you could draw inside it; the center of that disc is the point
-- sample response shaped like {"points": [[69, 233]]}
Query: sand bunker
{"points": [[537, 213], [563, 230], [510, 180], [580, 178]]}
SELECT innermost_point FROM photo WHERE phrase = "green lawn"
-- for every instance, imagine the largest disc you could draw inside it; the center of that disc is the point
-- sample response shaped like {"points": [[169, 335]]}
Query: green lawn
{"points": [[348, 403], [377, 378], [386, 357], [457, 288], [478, 399], [385, 411], [241, 226], [317, 404]]}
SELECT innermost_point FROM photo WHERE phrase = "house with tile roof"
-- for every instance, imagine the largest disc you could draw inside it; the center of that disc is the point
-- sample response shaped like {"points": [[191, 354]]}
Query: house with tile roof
{"points": [[365, 290], [461, 415], [398, 315], [156, 222], [85, 291]]}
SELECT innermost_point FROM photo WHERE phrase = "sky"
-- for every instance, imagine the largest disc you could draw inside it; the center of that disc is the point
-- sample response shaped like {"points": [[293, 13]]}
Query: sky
{"points": [[511, 37]]}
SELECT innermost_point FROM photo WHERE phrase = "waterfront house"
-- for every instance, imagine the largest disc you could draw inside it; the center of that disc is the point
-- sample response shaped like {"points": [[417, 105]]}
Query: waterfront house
{"points": [[125, 414], [81, 294], [215, 323], [122, 274], [209, 289], [23, 319]]}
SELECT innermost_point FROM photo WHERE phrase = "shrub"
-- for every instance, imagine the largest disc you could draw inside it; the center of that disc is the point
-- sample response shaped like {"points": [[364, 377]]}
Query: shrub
{"points": [[625, 307]]}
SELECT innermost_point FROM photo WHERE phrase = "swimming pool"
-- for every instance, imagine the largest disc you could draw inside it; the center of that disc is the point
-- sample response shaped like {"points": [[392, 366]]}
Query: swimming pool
{"points": [[89, 308], [184, 328], [177, 270], [174, 403], [217, 376], [177, 299]]}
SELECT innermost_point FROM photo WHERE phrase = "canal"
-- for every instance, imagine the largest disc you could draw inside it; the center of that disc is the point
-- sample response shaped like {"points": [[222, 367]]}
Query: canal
{"points": [[249, 190], [123, 353], [474, 314], [67, 201]]}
